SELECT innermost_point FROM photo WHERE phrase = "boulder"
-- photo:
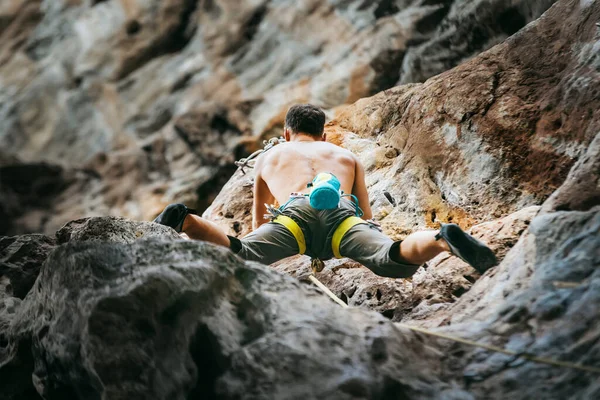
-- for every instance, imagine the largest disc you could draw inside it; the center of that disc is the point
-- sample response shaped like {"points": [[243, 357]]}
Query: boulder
{"points": [[168, 318], [543, 299], [162, 316], [110, 229], [21, 258]]}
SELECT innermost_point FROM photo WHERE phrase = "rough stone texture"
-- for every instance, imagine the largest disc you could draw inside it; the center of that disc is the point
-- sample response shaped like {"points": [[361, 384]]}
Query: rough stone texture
{"points": [[469, 146], [150, 102], [20, 260], [110, 229], [164, 318], [543, 299], [476, 143], [467, 28], [490, 136]]}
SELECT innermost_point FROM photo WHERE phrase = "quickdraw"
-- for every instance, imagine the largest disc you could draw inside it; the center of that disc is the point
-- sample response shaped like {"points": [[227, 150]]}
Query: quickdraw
{"points": [[249, 161]]}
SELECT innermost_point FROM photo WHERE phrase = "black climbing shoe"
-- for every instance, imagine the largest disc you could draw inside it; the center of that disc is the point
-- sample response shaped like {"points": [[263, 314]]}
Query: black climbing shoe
{"points": [[173, 215], [467, 248]]}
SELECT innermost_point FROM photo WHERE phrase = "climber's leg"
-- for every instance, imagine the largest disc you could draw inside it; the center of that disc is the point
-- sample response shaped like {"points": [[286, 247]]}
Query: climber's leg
{"points": [[269, 243], [401, 259], [420, 247], [198, 228], [365, 244], [182, 219]]}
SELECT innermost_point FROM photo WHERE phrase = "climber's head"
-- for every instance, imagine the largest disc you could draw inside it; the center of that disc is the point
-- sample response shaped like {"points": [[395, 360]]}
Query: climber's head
{"points": [[305, 120]]}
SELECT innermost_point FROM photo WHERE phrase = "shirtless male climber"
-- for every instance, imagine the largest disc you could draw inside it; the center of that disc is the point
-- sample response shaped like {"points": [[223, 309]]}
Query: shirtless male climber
{"points": [[297, 227]]}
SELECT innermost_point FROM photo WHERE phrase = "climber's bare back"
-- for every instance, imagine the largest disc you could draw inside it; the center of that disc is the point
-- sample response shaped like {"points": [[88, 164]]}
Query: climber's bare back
{"points": [[288, 167]]}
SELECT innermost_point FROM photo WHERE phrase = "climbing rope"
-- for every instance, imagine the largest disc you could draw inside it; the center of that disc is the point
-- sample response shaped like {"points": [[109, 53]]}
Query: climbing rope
{"points": [[524, 355]]}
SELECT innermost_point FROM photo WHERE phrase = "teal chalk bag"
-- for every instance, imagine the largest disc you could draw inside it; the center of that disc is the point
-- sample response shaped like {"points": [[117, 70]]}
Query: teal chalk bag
{"points": [[325, 193]]}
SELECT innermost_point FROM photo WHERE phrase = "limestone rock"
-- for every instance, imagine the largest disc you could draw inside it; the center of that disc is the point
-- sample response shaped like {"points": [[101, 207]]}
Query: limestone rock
{"points": [[454, 148], [20, 261], [167, 317], [110, 229], [151, 101], [449, 150], [488, 137], [465, 28], [543, 299]]}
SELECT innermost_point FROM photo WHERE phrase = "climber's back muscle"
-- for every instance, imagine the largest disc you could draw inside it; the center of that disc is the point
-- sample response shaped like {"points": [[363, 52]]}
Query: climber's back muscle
{"points": [[288, 167]]}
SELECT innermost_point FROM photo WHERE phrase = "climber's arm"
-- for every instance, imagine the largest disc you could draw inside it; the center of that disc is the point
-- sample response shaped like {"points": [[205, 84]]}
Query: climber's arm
{"points": [[359, 189], [262, 195]]}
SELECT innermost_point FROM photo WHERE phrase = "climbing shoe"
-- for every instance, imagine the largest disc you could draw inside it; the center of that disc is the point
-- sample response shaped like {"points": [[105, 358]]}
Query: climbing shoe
{"points": [[173, 215], [467, 248]]}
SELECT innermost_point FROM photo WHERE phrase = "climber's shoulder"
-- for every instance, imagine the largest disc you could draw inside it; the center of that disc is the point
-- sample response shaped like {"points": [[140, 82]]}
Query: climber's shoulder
{"points": [[271, 157]]}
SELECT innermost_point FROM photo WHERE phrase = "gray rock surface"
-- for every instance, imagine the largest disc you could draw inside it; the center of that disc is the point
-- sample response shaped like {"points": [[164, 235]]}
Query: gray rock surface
{"points": [[20, 260], [110, 229], [507, 144], [543, 299], [465, 28], [165, 318]]}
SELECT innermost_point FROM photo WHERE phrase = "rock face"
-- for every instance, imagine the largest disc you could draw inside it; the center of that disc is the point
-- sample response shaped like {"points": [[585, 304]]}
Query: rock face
{"points": [[477, 142], [20, 261], [507, 145], [471, 146], [163, 317], [141, 103]]}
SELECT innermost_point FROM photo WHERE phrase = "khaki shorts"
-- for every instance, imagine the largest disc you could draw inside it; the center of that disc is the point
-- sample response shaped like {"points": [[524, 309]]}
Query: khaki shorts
{"points": [[363, 243]]}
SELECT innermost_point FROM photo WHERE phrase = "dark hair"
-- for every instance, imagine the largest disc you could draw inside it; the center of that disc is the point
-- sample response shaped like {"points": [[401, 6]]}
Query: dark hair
{"points": [[305, 118]]}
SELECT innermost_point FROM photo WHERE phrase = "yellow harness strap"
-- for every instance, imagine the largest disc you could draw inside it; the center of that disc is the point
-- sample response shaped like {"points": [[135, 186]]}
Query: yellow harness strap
{"points": [[341, 230], [295, 229]]}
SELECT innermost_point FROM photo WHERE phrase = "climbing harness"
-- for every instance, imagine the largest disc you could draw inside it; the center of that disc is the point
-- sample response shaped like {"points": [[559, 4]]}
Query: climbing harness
{"points": [[294, 228], [249, 161], [341, 231], [523, 355], [325, 194]]}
